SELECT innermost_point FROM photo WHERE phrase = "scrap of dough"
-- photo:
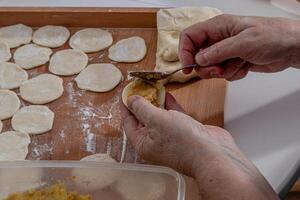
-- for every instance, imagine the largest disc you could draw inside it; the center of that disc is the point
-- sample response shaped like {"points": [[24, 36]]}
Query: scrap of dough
{"points": [[132, 49], [9, 104], [68, 62], [32, 55], [90, 181], [91, 40], [99, 77], [42, 89], [13, 145], [11, 75], [33, 119], [170, 23], [137, 186], [51, 36], [5, 54], [15, 35]]}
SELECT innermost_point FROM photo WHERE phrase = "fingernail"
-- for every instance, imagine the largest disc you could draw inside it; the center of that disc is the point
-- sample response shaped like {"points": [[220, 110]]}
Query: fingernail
{"points": [[130, 101], [201, 59]]}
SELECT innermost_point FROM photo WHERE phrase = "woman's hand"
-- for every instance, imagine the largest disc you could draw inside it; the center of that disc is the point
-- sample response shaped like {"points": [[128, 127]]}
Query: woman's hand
{"points": [[174, 139], [229, 46]]}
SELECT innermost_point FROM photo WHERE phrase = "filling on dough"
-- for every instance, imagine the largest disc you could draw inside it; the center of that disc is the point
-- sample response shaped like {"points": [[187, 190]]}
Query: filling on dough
{"points": [[147, 90], [57, 191]]}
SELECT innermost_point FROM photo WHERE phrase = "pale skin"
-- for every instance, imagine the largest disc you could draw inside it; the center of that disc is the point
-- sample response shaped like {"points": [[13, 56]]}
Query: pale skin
{"points": [[224, 47]]}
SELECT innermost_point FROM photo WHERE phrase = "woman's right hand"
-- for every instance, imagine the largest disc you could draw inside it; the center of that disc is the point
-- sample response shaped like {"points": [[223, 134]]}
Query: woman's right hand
{"points": [[229, 46]]}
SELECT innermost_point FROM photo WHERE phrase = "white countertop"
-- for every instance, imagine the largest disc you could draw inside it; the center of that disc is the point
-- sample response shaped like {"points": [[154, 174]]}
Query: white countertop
{"points": [[262, 111]]}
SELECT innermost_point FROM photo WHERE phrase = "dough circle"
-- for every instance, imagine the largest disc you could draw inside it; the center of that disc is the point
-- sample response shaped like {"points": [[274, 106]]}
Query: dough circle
{"points": [[68, 62], [11, 75], [132, 49], [99, 77], [51, 36], [5, 54], [13, 145], [42, 89], [136, 186], [9, 104], [15, 35], [91, 40], [32, 55], [88, 180], [33, 119], [161, 93]]}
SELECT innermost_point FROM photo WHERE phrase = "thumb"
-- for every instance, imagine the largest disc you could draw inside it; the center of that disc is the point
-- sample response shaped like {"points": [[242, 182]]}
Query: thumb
{"points": [[219, 52], [144, 111]]}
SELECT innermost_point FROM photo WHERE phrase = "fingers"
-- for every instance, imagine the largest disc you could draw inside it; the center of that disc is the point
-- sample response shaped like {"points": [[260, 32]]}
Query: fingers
{"points": [[171, 103], [144, 111], [210, 72]]}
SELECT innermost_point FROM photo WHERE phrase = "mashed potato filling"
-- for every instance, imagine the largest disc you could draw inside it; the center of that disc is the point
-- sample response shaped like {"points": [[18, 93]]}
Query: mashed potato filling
{"points": [[147, 90], [55, 192]]}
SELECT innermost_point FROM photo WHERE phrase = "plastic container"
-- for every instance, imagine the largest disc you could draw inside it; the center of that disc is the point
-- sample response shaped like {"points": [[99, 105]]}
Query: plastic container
{"points": [[105, 181]]}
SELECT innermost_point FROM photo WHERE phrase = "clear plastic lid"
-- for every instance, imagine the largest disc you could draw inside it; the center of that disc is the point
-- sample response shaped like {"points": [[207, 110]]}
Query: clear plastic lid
{"points": [[105, 181]]}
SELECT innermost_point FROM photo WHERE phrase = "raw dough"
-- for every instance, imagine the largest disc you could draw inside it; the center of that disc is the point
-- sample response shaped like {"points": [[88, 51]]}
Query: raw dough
{"points": [[170, 23], [1, 125], [68, 62], [132, 49], [42, 89], [32, 55], [155, 92], [13, 145], [5, 54], [33, 119], [90, 181], [51, 36], [91, 40], [15, 35], [99, 77], [137, 186], [9, 104], [11, 75]]}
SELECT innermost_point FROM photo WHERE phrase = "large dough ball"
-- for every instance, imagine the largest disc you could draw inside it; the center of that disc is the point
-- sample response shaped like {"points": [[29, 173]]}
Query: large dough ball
{"points": [[132, 49], [42, 89], [91, 40], [99, 77], [5, 54], [9, 104], [51, 36], [11, 75], [15, 35]]}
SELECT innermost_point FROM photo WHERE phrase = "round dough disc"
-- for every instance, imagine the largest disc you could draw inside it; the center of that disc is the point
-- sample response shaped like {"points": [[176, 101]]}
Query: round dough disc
{"points": [[90, 181], [99, 77], [15, 35], [91, 40], [33, 119], [51, 36], [68, 62], [32, 55], [9, 104], [11, 75], [13, 145], [42, 89], [5, 54], [161, 93], [132, 49]]}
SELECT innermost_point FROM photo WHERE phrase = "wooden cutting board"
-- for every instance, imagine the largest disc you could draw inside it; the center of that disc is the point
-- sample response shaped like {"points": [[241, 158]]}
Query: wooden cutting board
{"points": [[87, 122]]}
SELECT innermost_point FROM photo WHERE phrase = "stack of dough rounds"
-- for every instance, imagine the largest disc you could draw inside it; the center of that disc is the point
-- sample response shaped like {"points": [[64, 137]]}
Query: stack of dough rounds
{"points": [[99, 77], [32, 55], [5, 54], [68, 62], [15, 35], [11, 75], [91, 40], [42, 89], [51, 36], [9, 104], [132, 49], [33, 119], [14, 146]]}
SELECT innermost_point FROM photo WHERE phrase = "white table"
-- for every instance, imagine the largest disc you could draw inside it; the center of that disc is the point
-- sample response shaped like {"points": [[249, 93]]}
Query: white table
{"points": [[262, 111]]}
